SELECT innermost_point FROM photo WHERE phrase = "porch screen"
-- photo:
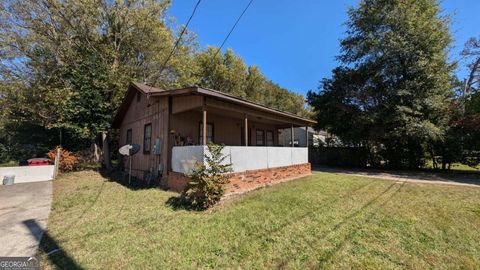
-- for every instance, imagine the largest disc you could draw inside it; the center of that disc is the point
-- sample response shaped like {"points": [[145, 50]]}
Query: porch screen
{"points": [[209, 133], [269, 138], [260, 137]]}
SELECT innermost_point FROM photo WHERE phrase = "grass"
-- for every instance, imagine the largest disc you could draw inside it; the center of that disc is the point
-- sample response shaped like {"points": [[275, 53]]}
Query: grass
{"points": [[322, 221], [9, 164], [455, 167]]}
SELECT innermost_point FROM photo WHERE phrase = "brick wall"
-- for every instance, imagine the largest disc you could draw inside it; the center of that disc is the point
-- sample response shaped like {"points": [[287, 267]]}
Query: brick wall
{"points": [[176, 181], [249, 180]]}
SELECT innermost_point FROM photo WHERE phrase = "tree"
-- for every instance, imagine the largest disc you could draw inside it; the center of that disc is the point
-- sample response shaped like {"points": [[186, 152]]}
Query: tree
{"points": [[65, 67], [66, 64], [208, 180], [224, 72], [469, 121], [472, 52], [228, 73], [393, 88]]}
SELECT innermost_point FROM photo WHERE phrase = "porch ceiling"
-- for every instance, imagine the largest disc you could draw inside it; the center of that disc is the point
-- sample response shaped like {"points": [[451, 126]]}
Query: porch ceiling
{"points": [[252, 118], [279, 123], [235, 111]]}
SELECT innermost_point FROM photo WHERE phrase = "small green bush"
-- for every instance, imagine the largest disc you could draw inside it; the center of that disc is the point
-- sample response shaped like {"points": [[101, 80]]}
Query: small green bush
{"points": [[208, 180]]}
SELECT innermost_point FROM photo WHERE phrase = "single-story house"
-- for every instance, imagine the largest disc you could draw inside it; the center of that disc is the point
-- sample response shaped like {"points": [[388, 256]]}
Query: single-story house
{"points": [[173, 128]]}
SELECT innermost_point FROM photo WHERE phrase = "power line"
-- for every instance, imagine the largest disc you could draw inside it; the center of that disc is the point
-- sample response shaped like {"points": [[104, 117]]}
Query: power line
{"points": [[178, 41], [231, 30]]}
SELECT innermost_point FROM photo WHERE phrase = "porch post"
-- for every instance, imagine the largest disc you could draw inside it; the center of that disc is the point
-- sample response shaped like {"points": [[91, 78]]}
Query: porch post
{"points": [[204, 122], [306, 136], [293, 136], [246, 130]]}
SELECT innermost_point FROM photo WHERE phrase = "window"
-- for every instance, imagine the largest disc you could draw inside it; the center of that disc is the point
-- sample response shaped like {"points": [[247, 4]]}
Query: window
{"points": [[269, 138], [147, 138], [210, 133], [260, 137], [129, 136]]}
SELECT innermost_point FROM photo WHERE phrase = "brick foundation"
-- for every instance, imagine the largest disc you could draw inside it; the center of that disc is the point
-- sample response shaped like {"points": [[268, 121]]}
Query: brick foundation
{"points": [[249, 180], [176, 181]]}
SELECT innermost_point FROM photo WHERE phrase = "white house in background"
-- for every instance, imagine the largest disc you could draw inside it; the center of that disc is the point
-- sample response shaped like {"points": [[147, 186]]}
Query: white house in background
{"points": [[315, 137]]}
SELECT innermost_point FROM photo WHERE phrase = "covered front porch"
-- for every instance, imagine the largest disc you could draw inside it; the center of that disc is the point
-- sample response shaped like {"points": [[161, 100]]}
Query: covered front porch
{"points": [[198, 120], [249, 132]]}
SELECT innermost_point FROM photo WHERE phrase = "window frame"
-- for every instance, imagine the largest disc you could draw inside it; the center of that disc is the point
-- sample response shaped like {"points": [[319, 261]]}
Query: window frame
{"points": [[266, 138], [149, 150], [262, 136], [200, 130], [129, 139]]}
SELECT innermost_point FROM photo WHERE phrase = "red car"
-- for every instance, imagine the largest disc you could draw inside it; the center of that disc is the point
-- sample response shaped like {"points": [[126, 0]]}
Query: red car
{"points": [[38, 161]]}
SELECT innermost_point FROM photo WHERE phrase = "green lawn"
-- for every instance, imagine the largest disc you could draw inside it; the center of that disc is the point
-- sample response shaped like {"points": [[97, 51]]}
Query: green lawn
{"points": [[455, 167], [322, 221]]}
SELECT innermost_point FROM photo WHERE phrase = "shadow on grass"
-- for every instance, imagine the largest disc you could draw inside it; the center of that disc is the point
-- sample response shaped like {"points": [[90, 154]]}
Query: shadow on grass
{"points": [[178, 203], [367, 208], [324, 204], [122, 179], [48, 245], [84, 211], [330, 254]]}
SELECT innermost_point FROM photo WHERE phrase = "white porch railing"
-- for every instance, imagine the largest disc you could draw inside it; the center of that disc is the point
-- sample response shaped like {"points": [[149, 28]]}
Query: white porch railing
{"points": [[242, 158]]}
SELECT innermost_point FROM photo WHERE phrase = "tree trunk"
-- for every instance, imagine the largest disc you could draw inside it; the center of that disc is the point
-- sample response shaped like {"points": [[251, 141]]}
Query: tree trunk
{"points": [[434, 161], [60, 137], [95, 151], [106, 152]]}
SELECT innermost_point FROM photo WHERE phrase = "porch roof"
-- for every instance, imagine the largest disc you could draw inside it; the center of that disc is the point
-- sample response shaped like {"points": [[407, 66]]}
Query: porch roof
{"points": [[196, 90]]}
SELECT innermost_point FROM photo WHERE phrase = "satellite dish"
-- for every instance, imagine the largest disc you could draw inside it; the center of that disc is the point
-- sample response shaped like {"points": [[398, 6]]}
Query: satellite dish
{"points": [[135, 148], [125, 150], [129, 149]]}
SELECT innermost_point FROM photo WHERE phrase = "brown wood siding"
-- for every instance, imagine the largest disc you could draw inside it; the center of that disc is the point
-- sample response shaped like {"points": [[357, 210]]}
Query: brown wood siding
{"points": [[228, 121], [145, 111], [185, 103]]}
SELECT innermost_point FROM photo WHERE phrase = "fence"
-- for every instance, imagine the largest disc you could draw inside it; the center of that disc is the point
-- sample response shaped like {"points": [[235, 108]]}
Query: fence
{"points": [[339, 156]]}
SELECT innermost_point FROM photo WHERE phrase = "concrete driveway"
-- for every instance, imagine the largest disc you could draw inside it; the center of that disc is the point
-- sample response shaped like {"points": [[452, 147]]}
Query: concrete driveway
{"points": [[24, 210]]}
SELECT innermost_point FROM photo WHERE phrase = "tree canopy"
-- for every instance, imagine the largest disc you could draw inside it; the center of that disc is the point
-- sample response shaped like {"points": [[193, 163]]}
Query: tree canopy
{"points": [[65, 66], [393, 87], [229, 73]]}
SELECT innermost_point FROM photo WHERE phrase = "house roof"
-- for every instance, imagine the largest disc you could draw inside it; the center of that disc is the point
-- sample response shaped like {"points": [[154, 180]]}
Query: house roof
{"points": [[195, 90]]}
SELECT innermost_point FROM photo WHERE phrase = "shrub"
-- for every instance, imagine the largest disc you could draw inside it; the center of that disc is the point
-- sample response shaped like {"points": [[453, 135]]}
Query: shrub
{"points": [[68, 160], [208, 180]]}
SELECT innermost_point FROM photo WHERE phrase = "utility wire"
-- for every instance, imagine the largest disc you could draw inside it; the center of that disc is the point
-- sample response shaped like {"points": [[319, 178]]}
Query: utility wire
{"points": [[231, 30], [178, 41]]}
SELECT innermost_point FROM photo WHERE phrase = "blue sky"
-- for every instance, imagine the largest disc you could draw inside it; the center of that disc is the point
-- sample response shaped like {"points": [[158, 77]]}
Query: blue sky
{"points": [[295, 42]]}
